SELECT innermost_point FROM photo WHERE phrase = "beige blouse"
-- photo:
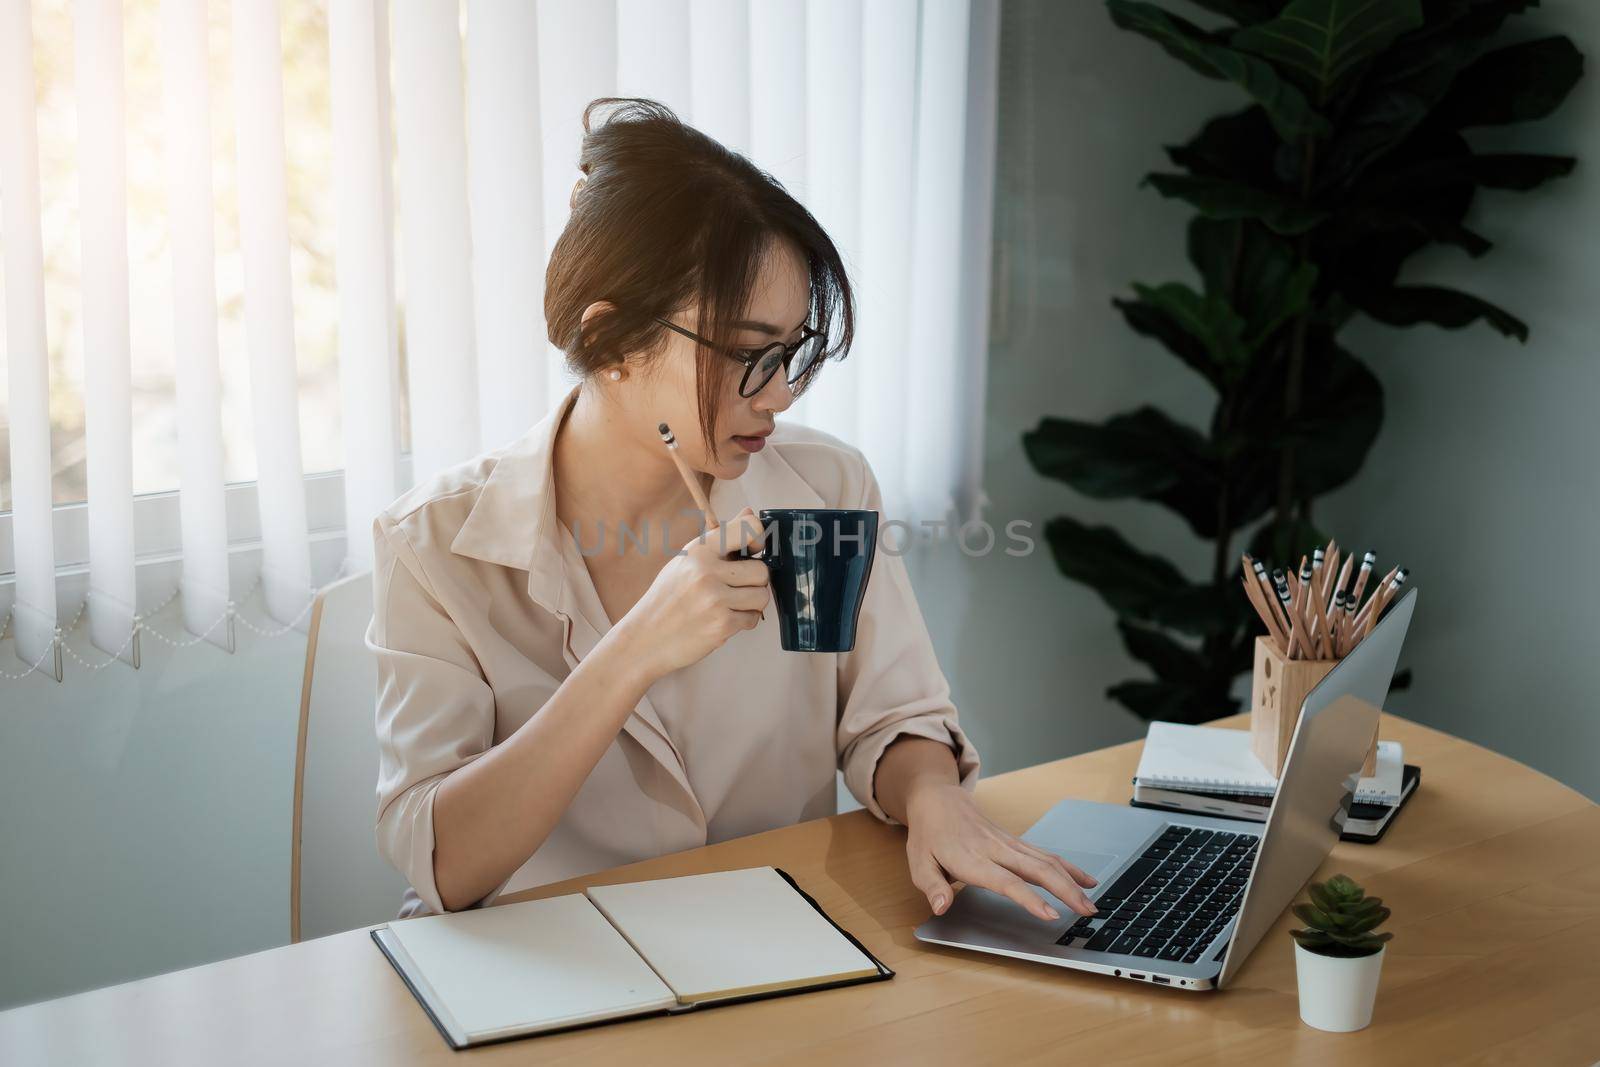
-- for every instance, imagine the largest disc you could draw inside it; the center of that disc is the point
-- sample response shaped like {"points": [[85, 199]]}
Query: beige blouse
{"points": [[483, 604]]}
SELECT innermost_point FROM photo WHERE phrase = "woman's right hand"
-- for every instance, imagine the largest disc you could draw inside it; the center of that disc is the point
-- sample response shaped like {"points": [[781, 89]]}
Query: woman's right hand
{"points": [[700, 599]]}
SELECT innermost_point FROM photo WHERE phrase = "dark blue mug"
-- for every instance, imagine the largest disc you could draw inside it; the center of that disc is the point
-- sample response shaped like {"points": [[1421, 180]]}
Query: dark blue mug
{"points": [[819, 560]]}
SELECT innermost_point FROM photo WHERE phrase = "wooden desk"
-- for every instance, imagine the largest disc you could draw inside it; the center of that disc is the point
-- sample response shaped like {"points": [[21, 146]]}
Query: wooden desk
{"points": [[1493, 872]]}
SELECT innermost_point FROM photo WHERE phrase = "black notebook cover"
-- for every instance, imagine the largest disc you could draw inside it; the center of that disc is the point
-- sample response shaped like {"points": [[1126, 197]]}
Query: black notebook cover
{"points": [[884, 973]]}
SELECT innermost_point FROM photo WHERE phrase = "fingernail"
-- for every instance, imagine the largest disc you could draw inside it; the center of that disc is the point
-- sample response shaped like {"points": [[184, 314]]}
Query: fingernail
{"points": [[1092, 909], [1051, 912], [939, 904]]}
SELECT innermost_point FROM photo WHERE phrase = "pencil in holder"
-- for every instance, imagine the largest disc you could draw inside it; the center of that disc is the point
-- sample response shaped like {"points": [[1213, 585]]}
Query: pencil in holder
{"points": [[1277, 690]]}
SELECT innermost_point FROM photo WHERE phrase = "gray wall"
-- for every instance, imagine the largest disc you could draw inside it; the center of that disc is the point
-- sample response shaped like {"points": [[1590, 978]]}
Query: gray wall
{"points": [[144, 817], [1484, 471]]}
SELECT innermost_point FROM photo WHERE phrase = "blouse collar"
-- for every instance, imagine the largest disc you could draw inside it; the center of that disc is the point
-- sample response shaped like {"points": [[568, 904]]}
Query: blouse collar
{"points": [[514, 522]]}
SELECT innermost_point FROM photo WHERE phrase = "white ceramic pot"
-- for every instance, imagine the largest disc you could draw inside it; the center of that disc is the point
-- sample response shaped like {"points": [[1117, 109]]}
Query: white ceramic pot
{"points": [[1336, 993]]}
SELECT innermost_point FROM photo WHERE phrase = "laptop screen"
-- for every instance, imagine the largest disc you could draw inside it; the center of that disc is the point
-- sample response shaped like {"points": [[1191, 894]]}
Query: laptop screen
{"points": [[1337, 725]]}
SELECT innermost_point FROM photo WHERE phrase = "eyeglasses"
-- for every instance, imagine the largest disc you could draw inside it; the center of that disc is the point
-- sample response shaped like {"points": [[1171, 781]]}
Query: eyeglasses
{"points": [[760, 364]]}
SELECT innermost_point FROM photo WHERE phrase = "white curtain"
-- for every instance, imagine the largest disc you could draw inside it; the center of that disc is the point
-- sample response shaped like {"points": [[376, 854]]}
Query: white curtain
{"points": [[877, 114]]}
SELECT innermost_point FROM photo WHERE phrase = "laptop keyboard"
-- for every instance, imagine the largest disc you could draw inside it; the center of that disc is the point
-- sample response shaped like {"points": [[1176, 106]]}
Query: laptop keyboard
{"points": [[1174, 900]]}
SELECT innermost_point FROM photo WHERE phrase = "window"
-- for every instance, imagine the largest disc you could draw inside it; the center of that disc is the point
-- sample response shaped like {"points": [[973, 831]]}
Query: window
{"points": [[311, 234]]}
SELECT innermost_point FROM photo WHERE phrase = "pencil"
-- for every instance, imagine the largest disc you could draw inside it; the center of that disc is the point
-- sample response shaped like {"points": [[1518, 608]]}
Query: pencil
{"points": [[1330, 567], [1323, 633], [1295, 636], [1387, 593], [1263, 603], [1269, 593], [1366, 572], [1252, 593], [1344, 574], [1375, 600], [689, 478], [1338, 623], [1346, 619]]}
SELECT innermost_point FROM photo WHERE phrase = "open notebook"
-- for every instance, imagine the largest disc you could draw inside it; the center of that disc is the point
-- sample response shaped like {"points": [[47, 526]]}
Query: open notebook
{"points": [[619, 951]]}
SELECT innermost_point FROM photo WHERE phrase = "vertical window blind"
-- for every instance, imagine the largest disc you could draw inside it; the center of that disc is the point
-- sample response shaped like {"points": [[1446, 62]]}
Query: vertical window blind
{"points": [[454, 131]]}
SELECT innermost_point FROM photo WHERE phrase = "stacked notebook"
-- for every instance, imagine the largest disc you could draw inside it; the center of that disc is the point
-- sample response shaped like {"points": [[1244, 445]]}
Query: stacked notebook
{"points": [[620, 951], [1204, 770]]}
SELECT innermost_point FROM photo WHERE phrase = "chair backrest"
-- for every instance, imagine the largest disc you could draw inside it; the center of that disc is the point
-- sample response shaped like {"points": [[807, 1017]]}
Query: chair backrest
{"points": [[337, 880]]}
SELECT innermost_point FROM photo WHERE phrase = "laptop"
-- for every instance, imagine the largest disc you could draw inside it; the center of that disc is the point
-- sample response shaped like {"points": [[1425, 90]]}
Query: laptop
{"points": [[1184, 899]]}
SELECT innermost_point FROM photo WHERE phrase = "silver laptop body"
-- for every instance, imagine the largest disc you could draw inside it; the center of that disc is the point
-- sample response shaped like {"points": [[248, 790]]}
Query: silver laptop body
{"points": [[1242, 875]]}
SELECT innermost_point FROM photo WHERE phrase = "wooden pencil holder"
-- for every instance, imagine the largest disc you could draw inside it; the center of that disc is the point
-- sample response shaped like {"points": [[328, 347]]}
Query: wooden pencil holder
{"points": [[1277, 690]]}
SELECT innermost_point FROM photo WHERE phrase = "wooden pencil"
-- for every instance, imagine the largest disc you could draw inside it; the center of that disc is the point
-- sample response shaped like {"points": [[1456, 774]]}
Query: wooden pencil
{"points": [[1344, 574], [1323, 633], [1366, 572], [689, 479], [1373, 603], [1252, 593]]}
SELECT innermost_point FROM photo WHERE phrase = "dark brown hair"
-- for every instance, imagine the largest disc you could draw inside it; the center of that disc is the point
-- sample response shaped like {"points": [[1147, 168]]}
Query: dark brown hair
{"points": [[664, 218]]}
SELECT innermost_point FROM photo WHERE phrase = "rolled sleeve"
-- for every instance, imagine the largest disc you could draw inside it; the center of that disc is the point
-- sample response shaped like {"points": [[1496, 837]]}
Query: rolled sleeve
{"points": [[890, 684], [435, 712]]}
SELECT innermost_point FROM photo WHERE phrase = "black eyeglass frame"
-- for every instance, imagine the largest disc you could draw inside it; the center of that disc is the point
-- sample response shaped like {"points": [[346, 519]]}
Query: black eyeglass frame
{"points": [[753, 357]]}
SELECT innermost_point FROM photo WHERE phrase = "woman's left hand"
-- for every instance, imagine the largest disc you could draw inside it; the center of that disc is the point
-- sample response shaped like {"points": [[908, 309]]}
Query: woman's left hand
{"points": [[950, 840]]}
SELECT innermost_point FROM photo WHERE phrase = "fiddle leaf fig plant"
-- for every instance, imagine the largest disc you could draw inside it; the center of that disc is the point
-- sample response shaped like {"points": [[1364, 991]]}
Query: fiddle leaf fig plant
{"points": [[1341, 920], [1350, 155]]}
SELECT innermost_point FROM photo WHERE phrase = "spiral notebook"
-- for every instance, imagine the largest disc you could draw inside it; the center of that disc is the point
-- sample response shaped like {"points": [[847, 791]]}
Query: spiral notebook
{"points": [[1216, 760], [621, 951]]}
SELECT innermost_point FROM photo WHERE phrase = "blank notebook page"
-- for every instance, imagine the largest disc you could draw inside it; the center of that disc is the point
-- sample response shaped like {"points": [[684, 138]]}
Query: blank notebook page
{"points": [[536, 965], [731, 933]]}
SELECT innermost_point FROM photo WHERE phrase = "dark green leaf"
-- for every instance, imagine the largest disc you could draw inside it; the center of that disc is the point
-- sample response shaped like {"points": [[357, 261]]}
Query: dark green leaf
{"points": [[1360, 908], [1313, 916], [1151, 321], [1339, 416], [1518, 83], [1311, 939], [1241, 146], [1218, 198], [1243, 12], [1425, 186], [1145, 454], [1343, 888], [1407, 82], [1324, 899], [1324, 42], [1417, 194], [1300, 539], [1514, 171], [1207, 318], [1139, 454], [1291, 116], [1197, 609], [1254, 270], [1407, 305], [1129, 581], [1363, 923], [1171, 661], [1338, 421], [1169, 702]]}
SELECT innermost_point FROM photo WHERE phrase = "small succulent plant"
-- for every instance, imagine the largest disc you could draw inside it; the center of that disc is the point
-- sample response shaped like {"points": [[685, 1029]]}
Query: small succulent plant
{"points": [[1341, 920]]}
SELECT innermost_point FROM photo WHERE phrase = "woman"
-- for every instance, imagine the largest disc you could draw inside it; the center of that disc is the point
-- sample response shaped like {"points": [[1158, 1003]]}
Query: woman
{"points": [[558, 694]]}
